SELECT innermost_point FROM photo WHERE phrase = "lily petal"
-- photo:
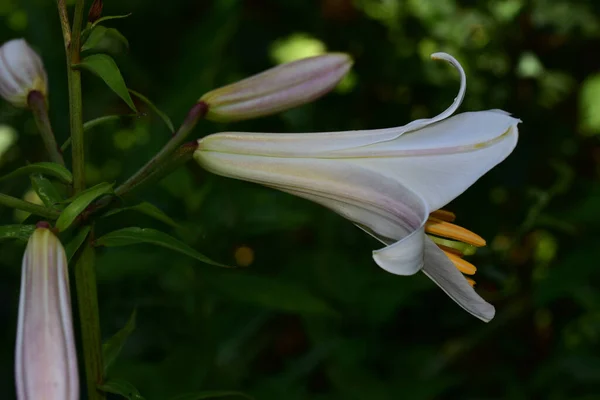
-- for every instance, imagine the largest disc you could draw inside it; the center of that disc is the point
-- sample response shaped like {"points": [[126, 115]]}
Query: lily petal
{"points": [[440, 269], [379, 205]]}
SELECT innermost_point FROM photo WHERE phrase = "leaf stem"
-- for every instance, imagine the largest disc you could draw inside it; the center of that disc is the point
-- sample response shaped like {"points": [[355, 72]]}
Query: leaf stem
{"points": [[87, 300], [37, 104], [197, 112], [13, 202]]}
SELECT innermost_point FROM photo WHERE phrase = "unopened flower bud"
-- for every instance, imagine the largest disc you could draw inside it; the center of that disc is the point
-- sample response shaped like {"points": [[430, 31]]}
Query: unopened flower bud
{"points": [[277, 89], [45, 357], [95, 11], [21, 72]]}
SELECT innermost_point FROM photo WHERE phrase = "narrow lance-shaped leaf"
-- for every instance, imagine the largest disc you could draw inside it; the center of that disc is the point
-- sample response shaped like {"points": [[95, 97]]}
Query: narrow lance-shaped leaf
{"points": [[156, 110], [46, 190], [106, 68], [76, 242], [19, 232], [212, 394], [135, 235], [109, 17], [80, 203], [43, 168], [101, 38], [148, 209], [113, 346], [121, 387]]}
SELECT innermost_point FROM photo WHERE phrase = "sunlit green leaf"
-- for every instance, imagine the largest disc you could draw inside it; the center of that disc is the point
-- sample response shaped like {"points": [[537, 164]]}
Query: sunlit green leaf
{"points": [[212, 394], [43, 168], [158, 112], [113, 346], [18, 232], [105, 67], [148, 209], [75, 243], [135, 235], [80, 203], [45, 190], [121, 387]]}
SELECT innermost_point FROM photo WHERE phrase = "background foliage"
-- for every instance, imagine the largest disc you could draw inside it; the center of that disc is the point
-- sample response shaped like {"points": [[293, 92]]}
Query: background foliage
{"points": [[310, 316]]}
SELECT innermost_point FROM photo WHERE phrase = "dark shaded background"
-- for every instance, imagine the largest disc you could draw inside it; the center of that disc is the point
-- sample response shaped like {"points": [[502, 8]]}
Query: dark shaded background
{"points": [[313, 317]]}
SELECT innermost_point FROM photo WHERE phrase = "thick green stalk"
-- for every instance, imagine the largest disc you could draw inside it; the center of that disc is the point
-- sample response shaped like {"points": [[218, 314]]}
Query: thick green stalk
{"points": [[37, 104], [87, 299], [75, 102], [85, 273], [197, 112], [13, 202]]}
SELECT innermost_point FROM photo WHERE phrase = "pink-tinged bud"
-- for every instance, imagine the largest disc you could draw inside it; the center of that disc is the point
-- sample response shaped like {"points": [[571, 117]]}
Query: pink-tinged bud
{"points": [[45, 356], [277, 89], [21, 72], [95, 11]]}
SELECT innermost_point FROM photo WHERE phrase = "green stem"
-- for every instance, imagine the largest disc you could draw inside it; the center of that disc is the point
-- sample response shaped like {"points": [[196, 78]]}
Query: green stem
{"points": [[75, 102], [87, 300], [64, 22], [37, 104], [13, 202], [197, 112]]}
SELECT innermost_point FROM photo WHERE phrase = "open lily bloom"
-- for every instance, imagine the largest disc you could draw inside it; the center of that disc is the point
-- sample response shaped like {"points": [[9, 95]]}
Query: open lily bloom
{"points": [[386, 181]]}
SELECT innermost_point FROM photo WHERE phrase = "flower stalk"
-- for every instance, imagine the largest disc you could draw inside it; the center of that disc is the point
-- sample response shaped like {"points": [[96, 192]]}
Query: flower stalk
{"points": [[87, 299], [13, 202], [196, 113], [39, 108]]}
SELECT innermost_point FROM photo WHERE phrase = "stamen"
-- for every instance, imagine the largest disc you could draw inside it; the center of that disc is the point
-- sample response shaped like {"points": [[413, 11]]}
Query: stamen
{"points": [[442, 228], [463, 266], [464, 249], [470, 281], [444, 215]]}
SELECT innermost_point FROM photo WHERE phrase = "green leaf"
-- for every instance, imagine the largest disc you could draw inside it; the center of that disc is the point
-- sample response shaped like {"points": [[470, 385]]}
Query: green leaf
{"points": [[148, 209], [135, 235], [19, 232], [75, 243], [109, 17], [43, 168], [102, 39], [113, 346], [158, 112], [212, 394], [269, 292], [80, 203], [121, 387], [105, 67], [46, 190]]}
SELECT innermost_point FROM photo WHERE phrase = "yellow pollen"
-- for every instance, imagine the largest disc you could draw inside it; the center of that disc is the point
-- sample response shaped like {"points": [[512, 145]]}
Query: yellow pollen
{"points": [[444, 215], [463, 266], [439, 227], [470, 281]]}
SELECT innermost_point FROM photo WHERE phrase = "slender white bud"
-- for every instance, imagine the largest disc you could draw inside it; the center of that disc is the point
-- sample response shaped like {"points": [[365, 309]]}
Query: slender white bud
{"points": [[277, 89], [45, 355], [21, 72]]}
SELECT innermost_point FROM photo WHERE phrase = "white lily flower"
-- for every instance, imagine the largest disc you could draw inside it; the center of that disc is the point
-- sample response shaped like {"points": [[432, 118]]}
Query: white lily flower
{"points": [[21, 72], [386, 181], [45, 355]]}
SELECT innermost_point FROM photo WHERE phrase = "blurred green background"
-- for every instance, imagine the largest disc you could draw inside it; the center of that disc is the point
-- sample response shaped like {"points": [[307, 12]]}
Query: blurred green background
{"points": [[310, 316]]}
